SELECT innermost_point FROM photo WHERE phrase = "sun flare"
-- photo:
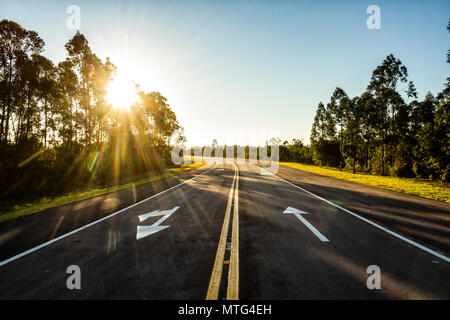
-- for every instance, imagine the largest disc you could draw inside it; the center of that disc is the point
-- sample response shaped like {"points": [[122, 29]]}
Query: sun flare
{"points": [[121, 92]]}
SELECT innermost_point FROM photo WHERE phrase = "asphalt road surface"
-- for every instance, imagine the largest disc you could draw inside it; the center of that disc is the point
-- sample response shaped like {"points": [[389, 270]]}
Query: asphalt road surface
{"points": [[233, 231]]}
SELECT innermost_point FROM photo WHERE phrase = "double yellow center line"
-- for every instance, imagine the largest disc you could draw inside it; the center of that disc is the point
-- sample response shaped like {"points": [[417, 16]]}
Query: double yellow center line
{"points": [[233, 272]]}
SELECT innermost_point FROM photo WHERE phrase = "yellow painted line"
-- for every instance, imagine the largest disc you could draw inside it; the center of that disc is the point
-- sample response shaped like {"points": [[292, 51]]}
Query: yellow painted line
{"points": [[216, 274], [233, 273]]}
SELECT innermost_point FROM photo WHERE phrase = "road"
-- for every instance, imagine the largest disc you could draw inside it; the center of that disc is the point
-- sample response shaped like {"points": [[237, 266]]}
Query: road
{"points": [[234, 231]]}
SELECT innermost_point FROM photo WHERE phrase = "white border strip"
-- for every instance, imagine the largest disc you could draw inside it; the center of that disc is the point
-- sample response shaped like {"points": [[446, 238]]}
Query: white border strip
{"points": [[45, 244], [418, 245]]}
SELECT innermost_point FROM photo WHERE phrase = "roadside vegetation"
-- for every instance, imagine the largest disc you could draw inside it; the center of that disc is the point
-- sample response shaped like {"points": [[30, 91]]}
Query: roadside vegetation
{"points": [[47, 203], [59, 134], [386, 131], [422, 188], [384, 138]]}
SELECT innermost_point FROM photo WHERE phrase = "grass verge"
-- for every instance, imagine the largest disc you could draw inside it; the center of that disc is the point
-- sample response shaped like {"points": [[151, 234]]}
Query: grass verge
{"points": [[421, 188], [47, 203]]}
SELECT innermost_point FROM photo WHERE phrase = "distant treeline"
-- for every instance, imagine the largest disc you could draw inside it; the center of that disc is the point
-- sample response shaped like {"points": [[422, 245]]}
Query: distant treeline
{"points": [[295, 151], [59, 134], [386, 130]]}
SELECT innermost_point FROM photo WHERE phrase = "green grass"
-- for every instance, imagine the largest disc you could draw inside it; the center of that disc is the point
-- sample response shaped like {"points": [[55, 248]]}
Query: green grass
{"points": [[421, 188], [47, 203]]}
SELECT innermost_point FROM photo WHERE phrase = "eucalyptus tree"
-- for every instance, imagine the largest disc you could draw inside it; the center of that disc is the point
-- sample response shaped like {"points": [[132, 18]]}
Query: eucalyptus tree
{"points": [[339, 108], [93, 76], [67, 102], [46, 94], [384, 87], [158, 118], [318, 132], [16, 46], [353, 129]]}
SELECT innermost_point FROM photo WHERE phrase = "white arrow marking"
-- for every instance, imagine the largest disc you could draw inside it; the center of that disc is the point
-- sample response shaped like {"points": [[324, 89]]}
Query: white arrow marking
{"points": [[298, 214], [144, 231], [156, 213]]}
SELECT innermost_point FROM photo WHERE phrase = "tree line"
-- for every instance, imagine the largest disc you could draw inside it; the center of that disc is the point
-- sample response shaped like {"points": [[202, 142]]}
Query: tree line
{"points": [[385, 130], [58, 132]]}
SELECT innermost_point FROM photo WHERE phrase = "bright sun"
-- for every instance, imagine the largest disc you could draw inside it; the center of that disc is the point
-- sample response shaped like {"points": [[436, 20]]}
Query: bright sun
{"points": [[121, 92]]}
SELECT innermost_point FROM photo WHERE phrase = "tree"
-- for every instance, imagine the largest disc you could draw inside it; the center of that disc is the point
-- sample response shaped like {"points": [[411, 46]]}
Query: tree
{"points": [[319, 132], [16, 46], [383, 85], [67, 99], [448, 52], [57, 131], [353, 130], [93, 77], [339, 107], [158, 116]]}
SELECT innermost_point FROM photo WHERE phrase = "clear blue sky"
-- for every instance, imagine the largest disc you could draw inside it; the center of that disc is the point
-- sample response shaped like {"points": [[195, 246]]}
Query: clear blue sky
{"points": [[249, 65]]}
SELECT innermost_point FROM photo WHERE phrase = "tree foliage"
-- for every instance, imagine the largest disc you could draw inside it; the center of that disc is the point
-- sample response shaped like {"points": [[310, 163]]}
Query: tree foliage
{"points": [[386, 130], [59, 134]]}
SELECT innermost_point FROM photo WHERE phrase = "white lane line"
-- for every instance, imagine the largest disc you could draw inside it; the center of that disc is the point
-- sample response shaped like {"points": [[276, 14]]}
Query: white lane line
{"points": [[392, 233], [298, 214], [45, 244]]}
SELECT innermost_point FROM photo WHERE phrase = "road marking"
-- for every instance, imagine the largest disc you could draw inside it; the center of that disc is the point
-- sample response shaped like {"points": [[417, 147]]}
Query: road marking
{"points": [[216, 274], [158, 213], [392, 233], [298, 214], [233, 273], [144, 231], [45, 244]]}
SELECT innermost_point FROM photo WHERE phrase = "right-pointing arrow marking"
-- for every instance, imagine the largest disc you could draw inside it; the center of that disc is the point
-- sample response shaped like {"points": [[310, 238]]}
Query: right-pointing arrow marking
{"points": [[298, 214], [157, 213], [144, 231]]}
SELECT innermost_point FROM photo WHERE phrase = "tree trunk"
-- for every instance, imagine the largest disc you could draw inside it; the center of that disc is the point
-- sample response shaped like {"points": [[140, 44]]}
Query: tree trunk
{"points": [[354, 155], [45, 124]]}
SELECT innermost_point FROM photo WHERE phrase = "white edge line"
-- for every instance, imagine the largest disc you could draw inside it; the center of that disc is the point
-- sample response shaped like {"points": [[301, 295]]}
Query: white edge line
{"points": [[45, 244], [418, 245]]}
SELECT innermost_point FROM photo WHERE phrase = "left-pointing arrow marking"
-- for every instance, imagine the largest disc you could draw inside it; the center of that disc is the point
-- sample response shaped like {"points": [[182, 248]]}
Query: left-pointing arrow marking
{"points": [[144, 231], [298, 214]]}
